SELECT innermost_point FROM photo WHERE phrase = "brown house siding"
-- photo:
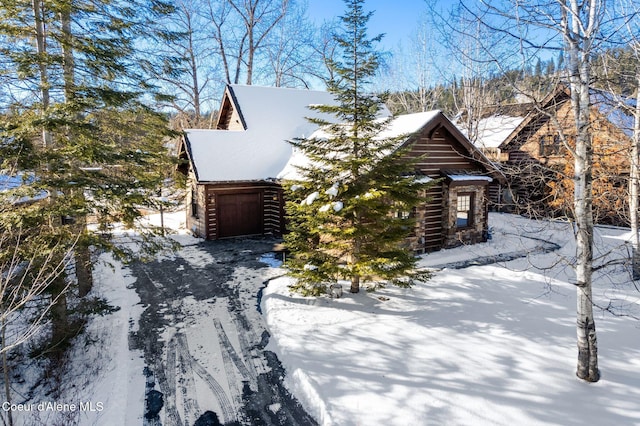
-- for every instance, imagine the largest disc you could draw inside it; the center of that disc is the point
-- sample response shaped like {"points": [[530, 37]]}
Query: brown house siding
{"points": [[254, 208], [439, 151], [431, 215], [273, 210], [196, 212], [229, 117], [540, 177]]}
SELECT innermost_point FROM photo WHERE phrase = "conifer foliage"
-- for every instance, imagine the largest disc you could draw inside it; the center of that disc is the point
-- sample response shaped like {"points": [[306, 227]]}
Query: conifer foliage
{"points": [[350, 209], [75, 133]]}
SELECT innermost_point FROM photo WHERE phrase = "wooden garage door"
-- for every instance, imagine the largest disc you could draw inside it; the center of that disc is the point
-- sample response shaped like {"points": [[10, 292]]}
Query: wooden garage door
{"points": [[239, 214]]}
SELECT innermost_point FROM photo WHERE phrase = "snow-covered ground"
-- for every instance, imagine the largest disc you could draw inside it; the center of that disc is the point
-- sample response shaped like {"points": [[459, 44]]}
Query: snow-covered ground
{"points": [[195, 313], [493, 344]]}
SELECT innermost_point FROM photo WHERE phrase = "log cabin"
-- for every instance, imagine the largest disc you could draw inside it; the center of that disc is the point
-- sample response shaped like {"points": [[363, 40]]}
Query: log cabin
{"points": [[234, 172], [536, 157]]}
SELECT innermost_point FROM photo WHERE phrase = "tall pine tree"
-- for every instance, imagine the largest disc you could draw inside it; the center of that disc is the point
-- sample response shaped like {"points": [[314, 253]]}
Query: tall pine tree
{"points": [[76, 129], [348, 211]]}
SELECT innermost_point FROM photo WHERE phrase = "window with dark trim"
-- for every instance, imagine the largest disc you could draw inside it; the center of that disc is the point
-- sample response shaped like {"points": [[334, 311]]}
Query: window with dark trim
{"points": [[194, 202], [550, 145], [464, 210], [406, 215], [403, 214]]}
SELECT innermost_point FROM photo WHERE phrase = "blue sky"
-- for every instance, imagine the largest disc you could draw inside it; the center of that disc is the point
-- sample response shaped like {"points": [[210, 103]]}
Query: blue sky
{"points": [[398, 19]]}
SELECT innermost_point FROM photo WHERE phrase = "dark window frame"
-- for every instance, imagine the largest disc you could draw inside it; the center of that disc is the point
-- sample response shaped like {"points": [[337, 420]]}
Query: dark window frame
{"points": [[194, 202], [468, 209], [550, 145], [406, 215]]}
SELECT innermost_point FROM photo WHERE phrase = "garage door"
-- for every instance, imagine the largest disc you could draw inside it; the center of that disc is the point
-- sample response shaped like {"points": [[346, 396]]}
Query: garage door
{"points": [[239, 214]]}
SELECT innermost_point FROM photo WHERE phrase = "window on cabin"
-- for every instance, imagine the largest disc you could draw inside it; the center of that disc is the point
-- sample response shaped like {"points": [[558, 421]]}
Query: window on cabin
{"points": [[406, 215], [403, 214], [464, 212], [194, 202], [550, 145]]}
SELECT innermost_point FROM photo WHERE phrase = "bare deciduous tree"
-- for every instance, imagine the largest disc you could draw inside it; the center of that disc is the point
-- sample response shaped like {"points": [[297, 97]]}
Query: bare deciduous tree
{"points": [[187, 64], [240, 29], [23, 283], [631, 41], [577, 29], [289, 49], [412, 74]]}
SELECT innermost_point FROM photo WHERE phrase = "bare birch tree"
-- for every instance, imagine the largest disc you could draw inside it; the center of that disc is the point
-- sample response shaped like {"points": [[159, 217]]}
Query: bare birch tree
{"points": [[631, 39], [412, 73], [477, 54], [577, 29], [634, 178], [325, 49], [290, 51]]}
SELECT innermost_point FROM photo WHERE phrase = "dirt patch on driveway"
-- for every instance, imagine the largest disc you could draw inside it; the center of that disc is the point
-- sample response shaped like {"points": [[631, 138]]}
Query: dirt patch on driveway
{"points": [[204, 339]]}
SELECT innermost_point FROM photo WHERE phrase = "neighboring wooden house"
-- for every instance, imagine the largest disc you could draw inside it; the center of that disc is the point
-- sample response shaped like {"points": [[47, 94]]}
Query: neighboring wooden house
{"points": [[235, 174], [493, 127], [489, 131], [535, 156]]}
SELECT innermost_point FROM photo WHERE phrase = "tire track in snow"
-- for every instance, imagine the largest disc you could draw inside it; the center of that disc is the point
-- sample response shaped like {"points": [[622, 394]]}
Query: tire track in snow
{"points": [[230, 371], [228, 414], [168, 384], [187, 384], [230, 351]]}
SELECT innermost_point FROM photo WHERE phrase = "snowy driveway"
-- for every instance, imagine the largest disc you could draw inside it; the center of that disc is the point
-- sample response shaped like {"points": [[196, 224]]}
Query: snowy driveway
{"points": [[204, 339]]}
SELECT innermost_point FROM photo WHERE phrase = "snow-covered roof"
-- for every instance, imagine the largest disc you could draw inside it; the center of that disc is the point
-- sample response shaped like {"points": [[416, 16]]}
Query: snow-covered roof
{"points": [[398, 126], [224, 155], [279, 109], [408, 123], [460, 178], [272, 116], [493, 130], [11, 183]]}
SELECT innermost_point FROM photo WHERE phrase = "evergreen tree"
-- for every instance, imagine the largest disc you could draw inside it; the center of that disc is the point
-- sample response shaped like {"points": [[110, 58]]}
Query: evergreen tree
{"points": [[76, 129], [551, 68], [560, 64], [341, 210], [538, 69]]}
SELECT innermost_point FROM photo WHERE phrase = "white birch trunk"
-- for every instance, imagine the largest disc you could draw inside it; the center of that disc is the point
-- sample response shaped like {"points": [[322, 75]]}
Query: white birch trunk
{"points": [[634, 187], [580, 23]]}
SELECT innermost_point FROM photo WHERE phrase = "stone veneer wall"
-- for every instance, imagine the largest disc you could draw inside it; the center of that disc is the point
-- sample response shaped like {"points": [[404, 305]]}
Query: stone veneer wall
{"points": [[478, 231]]}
